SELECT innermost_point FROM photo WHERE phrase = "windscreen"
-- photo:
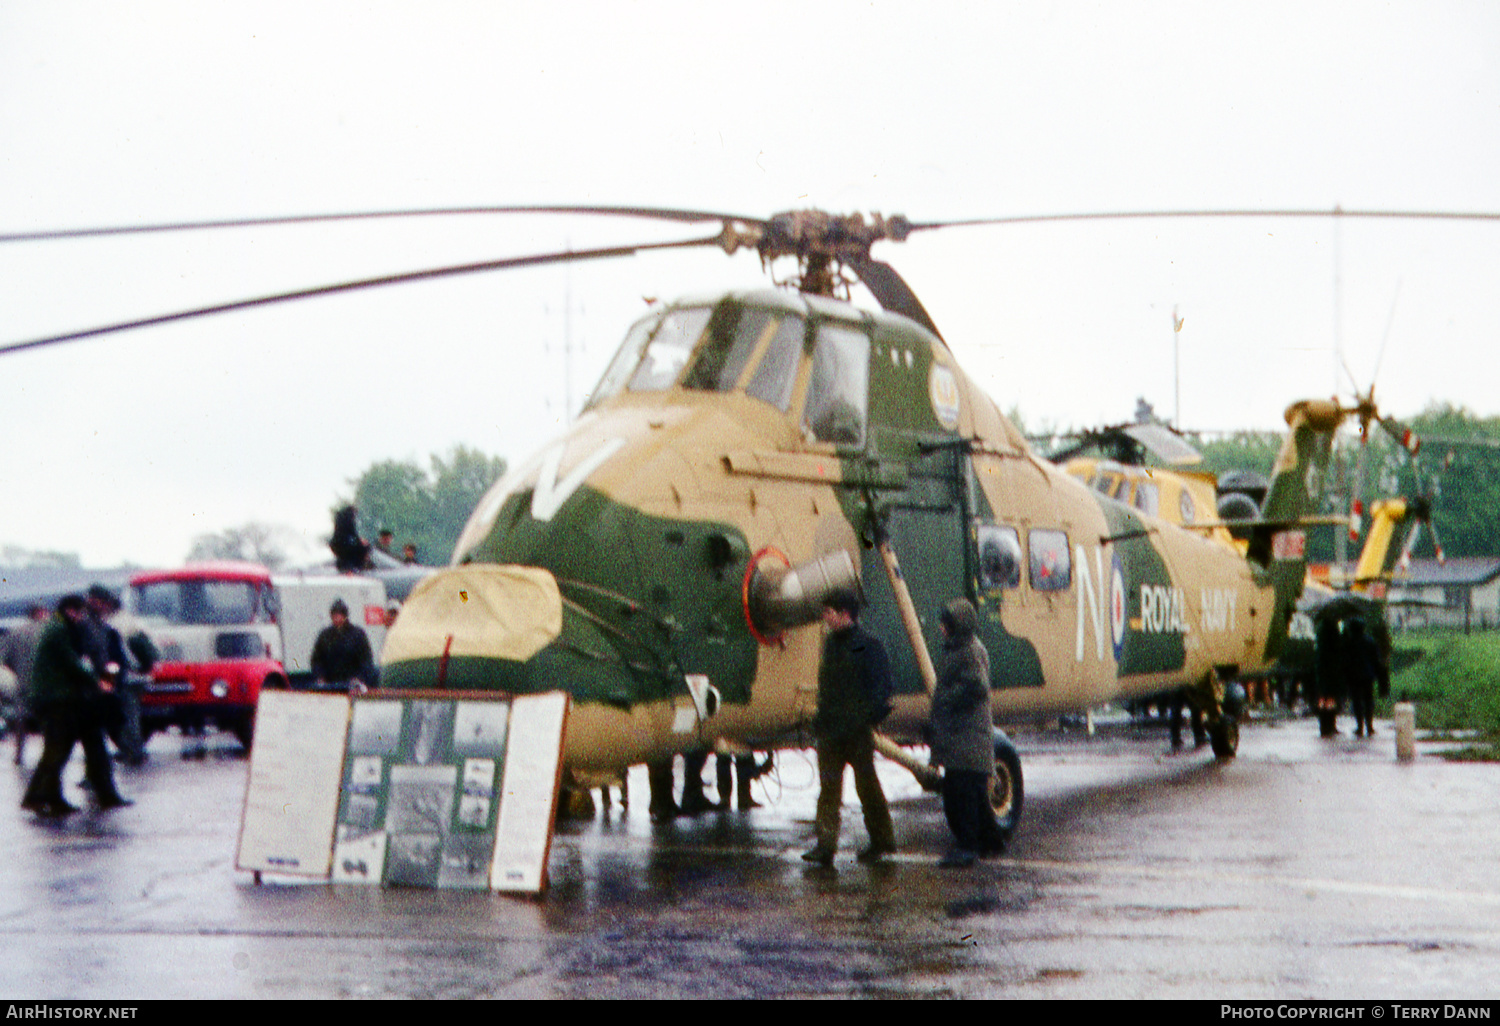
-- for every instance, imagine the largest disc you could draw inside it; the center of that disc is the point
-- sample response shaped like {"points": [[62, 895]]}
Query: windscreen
{"points": [[669, 349], [198, 601]]}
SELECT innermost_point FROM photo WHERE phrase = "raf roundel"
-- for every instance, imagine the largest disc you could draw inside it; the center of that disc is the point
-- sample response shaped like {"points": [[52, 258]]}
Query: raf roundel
{"points": [[1117, 607]]}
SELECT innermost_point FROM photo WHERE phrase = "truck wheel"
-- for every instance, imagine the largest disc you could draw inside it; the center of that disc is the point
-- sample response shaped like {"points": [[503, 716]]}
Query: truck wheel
{"points": [[1006, 786]]}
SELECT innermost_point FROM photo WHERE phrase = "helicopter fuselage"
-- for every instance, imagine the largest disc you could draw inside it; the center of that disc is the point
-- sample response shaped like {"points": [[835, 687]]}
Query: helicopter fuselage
{"points": [[740, 438]]}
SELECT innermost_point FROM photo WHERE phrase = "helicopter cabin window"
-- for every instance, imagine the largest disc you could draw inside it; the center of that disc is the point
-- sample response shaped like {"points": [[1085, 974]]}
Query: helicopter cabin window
{"points": [[835, 409], [1109, 483], [1147, 498], [1051, 567], [669, 349], [1185, 506], [734, 333], [773, 379], [999, 558]]}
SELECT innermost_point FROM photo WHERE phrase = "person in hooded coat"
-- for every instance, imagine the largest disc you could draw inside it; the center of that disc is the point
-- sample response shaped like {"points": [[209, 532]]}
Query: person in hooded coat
{"points": [[963, 737]]}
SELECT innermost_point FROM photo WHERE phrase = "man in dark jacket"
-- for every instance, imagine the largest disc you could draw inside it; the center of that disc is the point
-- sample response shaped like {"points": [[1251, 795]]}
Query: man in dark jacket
{"points": [[963, 737], [121, 708], [67, 699], [341, 657], [854, 690]]}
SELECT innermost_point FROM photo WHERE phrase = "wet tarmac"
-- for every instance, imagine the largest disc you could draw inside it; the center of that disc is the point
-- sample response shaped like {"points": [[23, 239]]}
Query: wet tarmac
{"points": [[1306, 868]]}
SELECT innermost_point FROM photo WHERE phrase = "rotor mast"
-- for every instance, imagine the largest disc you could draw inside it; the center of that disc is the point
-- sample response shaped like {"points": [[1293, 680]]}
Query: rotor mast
{"points": [[823, 244]]}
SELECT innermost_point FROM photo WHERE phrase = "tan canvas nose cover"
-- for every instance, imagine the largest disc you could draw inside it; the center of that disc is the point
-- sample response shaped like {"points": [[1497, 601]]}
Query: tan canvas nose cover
{"points": [[492, 611]]}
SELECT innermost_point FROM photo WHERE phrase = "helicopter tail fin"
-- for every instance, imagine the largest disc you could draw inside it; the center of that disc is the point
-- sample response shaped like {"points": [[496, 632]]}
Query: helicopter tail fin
{"points": [[1296, 480], [1278, 542]]}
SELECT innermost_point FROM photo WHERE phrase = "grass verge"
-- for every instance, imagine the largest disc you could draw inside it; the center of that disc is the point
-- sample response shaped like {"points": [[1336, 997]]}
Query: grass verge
{"points": [[1455, 686]]}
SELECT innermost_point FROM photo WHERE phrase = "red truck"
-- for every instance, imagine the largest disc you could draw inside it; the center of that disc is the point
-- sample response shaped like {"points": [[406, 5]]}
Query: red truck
{"points": [[216, 633]]}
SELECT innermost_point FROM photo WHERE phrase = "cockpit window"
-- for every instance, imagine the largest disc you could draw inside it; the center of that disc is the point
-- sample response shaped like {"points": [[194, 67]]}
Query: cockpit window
{"points": [[777, 373], [669, 349], [626, 358], [734, 333], [1111, 483], [835, 410]]}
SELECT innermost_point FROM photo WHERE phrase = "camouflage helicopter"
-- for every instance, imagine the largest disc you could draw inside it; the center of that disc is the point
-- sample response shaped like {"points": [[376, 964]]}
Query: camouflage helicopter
{"points": [[748, 453], [745, 454]]}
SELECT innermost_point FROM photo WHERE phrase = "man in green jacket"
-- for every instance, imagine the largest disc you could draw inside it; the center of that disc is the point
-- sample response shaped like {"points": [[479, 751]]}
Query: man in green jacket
{"points": [[67, 699]]}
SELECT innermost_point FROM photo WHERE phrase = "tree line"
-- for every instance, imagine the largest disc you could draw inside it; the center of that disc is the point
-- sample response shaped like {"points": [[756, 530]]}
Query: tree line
{"points": [[425, 506]]}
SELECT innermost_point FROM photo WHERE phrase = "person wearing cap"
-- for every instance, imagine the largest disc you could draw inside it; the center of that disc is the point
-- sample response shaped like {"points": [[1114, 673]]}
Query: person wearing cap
{"points": [[341, 657], [121, 714], [963, 737], [66, 692], [854, 692]]}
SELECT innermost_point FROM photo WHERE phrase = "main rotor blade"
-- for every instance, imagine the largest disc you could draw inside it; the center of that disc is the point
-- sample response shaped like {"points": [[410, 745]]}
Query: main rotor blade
{"points": [[365, 283], [1145, 215], [648, 213], [891, 291]]}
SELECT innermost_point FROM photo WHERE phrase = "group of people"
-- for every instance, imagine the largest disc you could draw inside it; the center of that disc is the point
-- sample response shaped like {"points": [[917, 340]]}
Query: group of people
{"points": [[854, 696], [78, 681], [76, 673], [386, 542], [351, 553], [1350, 663]]}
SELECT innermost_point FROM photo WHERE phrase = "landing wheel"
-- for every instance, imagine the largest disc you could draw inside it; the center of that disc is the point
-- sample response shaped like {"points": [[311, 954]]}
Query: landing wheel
{"points": [[1006, 786], [1224, 735]]}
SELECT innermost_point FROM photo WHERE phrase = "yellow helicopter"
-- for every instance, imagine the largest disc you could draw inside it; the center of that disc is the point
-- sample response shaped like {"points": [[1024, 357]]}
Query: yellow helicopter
{"points": [[1173, 492], [748, 453]]}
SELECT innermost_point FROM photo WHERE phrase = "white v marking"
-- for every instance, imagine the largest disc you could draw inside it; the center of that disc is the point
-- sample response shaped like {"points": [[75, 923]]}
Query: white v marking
{"points": [[550, 493]]}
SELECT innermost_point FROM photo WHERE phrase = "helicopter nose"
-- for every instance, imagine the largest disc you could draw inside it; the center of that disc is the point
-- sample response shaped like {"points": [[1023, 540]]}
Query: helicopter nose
{"points": [[473, 627]]}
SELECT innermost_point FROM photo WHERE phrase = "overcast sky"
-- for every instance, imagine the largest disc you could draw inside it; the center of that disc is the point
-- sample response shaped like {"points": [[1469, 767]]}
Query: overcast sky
{"points": [[127, 447]]}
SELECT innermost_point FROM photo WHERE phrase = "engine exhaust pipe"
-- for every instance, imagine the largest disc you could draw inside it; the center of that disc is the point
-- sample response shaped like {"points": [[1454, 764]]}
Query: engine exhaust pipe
{"points": [[779, 598]]}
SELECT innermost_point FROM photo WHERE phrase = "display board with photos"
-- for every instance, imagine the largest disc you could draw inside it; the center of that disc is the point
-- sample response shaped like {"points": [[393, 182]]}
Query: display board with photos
{"points": [[425, 781], [445, 789]]}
